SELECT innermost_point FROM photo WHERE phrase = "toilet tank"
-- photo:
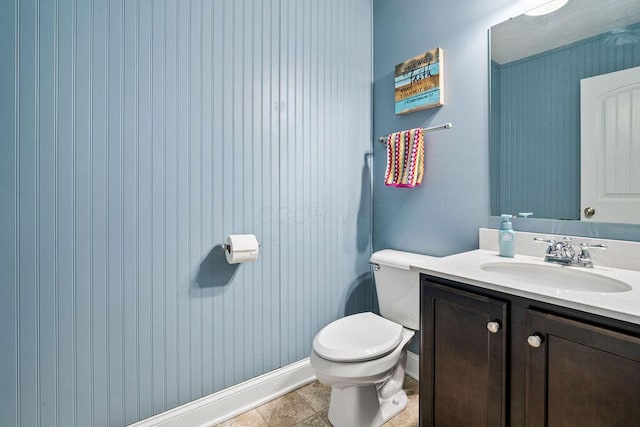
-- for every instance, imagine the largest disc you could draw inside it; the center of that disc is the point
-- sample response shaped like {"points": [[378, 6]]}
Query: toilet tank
{"points": [[398, 288]]}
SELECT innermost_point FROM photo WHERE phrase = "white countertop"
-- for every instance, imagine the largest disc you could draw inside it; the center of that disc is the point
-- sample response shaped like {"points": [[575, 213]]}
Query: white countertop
{"points": [[465, 268]]}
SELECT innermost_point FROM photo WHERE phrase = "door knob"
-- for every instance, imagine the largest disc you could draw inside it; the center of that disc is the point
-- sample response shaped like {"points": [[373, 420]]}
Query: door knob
{"points": [[535, 340], [589, 212], [493, 327]]}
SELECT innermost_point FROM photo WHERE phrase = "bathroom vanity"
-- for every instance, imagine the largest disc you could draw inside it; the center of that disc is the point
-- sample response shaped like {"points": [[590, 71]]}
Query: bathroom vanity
{"points": [[499, 359], [522, 342], [498, 352]]}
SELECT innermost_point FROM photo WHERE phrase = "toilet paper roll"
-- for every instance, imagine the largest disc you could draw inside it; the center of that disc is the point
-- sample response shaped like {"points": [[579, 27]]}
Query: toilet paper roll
{"points": [[241, 248]]}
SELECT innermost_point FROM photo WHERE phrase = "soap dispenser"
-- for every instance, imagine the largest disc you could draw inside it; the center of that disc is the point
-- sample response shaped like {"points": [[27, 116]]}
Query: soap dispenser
{"points": [[506, 237]]}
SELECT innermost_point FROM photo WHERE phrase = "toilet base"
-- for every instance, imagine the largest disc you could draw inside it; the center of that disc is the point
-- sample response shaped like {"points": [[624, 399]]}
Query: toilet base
{"points": [[369, 405], [371, 411]]}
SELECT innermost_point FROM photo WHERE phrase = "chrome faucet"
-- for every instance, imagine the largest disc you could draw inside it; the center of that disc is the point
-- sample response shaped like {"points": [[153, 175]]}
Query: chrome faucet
{"points": [[562, 252]]}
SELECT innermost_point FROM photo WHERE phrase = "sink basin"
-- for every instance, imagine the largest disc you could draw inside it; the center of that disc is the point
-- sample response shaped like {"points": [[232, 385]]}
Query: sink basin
{"points": [[556, 276]]}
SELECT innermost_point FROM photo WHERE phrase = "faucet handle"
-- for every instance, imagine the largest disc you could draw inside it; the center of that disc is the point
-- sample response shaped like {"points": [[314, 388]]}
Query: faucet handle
{"points": [[585, 246], [549, 242], [584, 257]]}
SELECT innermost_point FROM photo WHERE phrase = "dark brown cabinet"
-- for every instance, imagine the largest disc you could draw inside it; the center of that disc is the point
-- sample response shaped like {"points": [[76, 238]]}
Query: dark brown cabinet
{"points": [[463, 358], [580, 375], [494, 359]]}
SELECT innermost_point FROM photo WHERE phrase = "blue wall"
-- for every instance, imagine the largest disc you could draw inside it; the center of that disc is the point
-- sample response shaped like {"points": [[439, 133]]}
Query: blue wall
{"points": [[443, 216], [135, 136], [539, 120]]}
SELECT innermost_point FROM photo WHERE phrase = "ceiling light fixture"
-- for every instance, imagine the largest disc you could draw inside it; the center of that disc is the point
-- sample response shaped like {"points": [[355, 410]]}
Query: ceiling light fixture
{"points": [[546, 8]]}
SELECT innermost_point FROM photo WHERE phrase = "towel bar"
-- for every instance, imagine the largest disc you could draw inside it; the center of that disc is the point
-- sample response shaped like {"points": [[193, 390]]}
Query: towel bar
{"points": [[383, 139]]}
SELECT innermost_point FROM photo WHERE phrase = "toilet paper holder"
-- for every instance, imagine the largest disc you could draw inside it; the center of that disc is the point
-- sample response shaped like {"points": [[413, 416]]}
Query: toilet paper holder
{"points": [[227, 248]]}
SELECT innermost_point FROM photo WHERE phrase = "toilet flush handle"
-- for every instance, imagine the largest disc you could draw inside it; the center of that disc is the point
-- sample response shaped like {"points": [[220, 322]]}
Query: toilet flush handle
{"points": [[376, 267]]}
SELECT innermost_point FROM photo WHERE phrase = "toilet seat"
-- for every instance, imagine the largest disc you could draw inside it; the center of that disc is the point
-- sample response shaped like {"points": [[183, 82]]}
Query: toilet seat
{"points": [[357, 338], [362, 372]]}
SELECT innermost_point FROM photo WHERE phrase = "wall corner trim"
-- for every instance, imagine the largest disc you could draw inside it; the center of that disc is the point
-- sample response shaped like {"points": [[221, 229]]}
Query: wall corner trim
{"points": [[235, 400]]}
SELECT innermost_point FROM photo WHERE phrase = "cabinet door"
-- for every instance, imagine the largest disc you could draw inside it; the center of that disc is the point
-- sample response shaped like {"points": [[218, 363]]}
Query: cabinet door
{"points": [[463, 365], [580, 375]]}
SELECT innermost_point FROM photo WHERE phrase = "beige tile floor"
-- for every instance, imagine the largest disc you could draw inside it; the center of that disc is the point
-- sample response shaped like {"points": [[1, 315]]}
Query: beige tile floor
{"points": [[309, 406]]}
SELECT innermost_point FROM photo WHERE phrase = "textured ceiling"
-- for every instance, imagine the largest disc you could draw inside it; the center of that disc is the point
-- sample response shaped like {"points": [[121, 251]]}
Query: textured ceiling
{"points": [[524, 35]]}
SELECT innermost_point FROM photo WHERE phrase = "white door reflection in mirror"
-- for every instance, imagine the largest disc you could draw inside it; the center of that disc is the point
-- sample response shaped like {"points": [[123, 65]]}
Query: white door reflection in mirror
{"points": [[610, 147]]}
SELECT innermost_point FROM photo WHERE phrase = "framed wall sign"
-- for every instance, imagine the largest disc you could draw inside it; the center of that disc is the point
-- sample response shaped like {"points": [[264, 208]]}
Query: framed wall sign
{"points": [[419, 82]]}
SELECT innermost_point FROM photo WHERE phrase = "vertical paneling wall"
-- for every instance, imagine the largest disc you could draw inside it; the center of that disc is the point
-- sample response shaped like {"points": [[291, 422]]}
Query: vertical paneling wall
{"points": [[539, 119], [135, 136], [325, 201]]}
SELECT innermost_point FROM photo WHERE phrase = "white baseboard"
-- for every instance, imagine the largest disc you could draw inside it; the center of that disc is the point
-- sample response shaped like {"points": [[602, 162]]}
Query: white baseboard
{"points": [[413, 366], [230, 402]]}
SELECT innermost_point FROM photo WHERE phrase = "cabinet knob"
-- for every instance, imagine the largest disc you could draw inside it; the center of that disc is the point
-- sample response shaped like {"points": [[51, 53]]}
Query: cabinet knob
{"points": [[493, 327], [535, 340]]}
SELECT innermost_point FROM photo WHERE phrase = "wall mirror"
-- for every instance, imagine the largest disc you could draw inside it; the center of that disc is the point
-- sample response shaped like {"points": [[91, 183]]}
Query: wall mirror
{"points": [[539, 65]]}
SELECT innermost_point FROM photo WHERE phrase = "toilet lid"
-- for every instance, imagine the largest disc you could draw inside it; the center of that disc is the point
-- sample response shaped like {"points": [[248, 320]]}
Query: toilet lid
{"points": [[358, 337]]}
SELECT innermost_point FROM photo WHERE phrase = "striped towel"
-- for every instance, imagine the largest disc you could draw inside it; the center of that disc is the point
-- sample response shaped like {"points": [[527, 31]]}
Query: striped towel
{"points": [[405, 158]]}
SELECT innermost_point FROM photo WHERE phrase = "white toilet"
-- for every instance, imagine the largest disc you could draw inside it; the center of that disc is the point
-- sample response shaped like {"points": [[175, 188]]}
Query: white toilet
{"points": [[363, 356]]}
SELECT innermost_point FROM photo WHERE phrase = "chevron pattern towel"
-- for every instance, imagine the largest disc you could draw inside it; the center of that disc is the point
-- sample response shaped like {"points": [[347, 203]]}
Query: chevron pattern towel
{"points": [[405, 158]]}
